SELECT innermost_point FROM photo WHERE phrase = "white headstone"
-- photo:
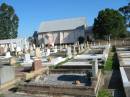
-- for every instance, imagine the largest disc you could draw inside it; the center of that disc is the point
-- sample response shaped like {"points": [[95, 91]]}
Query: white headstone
{"points": [[55, 50], [47, 52], [7, 55], [5, 48], [12, 47], [18, 49], [27, 58], [69, 54]]}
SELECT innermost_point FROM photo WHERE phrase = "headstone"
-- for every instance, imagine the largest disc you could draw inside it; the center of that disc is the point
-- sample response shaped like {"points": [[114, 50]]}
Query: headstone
{"points": [[1, 50], [55, 50], [79, 49], [37, 64], [7, 55], [12, 48], [82, 46], [5, 48], [32, 53], [95, 67], [27, 58], [47, 52], [74, 51], [66, 46], [69, 54], [12, 61], [38, 52], [18, 49], [34, 47]]}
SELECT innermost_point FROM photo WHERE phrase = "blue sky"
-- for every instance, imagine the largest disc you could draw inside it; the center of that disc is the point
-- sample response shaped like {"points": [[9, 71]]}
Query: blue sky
{"points": [[32, 12]]}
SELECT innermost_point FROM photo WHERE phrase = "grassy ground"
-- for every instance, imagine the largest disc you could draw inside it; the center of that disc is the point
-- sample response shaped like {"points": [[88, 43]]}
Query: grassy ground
{"points": [[104, 93], [109, 63], [2, 95]]}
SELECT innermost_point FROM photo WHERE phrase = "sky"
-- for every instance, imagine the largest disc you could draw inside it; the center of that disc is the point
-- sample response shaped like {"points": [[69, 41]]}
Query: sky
{"points": [[32, 12]]}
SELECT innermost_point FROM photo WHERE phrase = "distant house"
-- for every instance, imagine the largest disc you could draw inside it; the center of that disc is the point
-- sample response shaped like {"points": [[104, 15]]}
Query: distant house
{"points": [[62, 31]]}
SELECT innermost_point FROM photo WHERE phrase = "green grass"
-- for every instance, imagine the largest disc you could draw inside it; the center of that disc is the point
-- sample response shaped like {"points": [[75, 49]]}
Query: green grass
{"points": [[108, 64], [2, 95], [18, 64], [104, 93]]}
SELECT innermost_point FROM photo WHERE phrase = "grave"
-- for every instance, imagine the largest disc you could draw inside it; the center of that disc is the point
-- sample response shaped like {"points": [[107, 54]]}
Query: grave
{"points": [[47, 52], [12, 61], [69, 54], [37, 64], [7, 76], [27, 58], [7, 55], [94, 67], [1, 50]]}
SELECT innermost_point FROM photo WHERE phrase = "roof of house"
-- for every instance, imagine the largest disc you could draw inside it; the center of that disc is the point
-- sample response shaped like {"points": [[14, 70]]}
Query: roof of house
{"points": [[62, 24]]}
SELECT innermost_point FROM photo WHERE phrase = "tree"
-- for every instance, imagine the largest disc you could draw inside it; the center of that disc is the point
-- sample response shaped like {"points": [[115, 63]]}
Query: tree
{"points": [[8, 22], [35, 37], [125, 10], [81, 39], [109, 23], [30, 40]]}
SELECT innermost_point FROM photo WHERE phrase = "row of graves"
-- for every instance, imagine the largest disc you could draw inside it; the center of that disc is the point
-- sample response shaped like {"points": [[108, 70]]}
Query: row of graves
{"points": [[78, 75], [17, 65], [123, 54]]}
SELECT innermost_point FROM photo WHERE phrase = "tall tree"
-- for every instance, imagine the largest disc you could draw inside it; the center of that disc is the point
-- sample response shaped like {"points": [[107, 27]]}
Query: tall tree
{"points": [[109, 22], [8, 22], [125, 10], [35, 37]]}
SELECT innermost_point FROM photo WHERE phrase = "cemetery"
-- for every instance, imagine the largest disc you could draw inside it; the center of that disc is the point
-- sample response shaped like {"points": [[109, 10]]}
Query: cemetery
{"points": [[72, 75], [59, 69], [82, 56]]}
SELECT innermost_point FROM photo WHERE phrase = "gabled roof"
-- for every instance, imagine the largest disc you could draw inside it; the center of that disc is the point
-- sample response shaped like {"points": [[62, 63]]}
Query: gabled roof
{"points": [[63, 24]]}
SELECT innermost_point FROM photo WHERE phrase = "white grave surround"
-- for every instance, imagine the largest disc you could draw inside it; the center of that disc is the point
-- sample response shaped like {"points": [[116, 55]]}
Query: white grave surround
{"points": [[58, 60], [126, 82], [95, 68], [7, 55]]}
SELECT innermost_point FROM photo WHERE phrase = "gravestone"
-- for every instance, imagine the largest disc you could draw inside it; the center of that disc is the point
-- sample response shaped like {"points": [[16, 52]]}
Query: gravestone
{"points": [[1, 50], [69, 54], [37, 64], [18, 49], [82, 46], [27, 58], [12, 61], [32, 53], [7, 55], [66, 46], [12, 48], [47, 52], [5, 48], [74, 50], [55, 50], [94, 67]]}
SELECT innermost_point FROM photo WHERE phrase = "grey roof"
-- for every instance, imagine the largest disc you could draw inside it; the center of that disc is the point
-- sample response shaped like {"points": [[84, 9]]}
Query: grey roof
{"points": [[63, 24]]}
